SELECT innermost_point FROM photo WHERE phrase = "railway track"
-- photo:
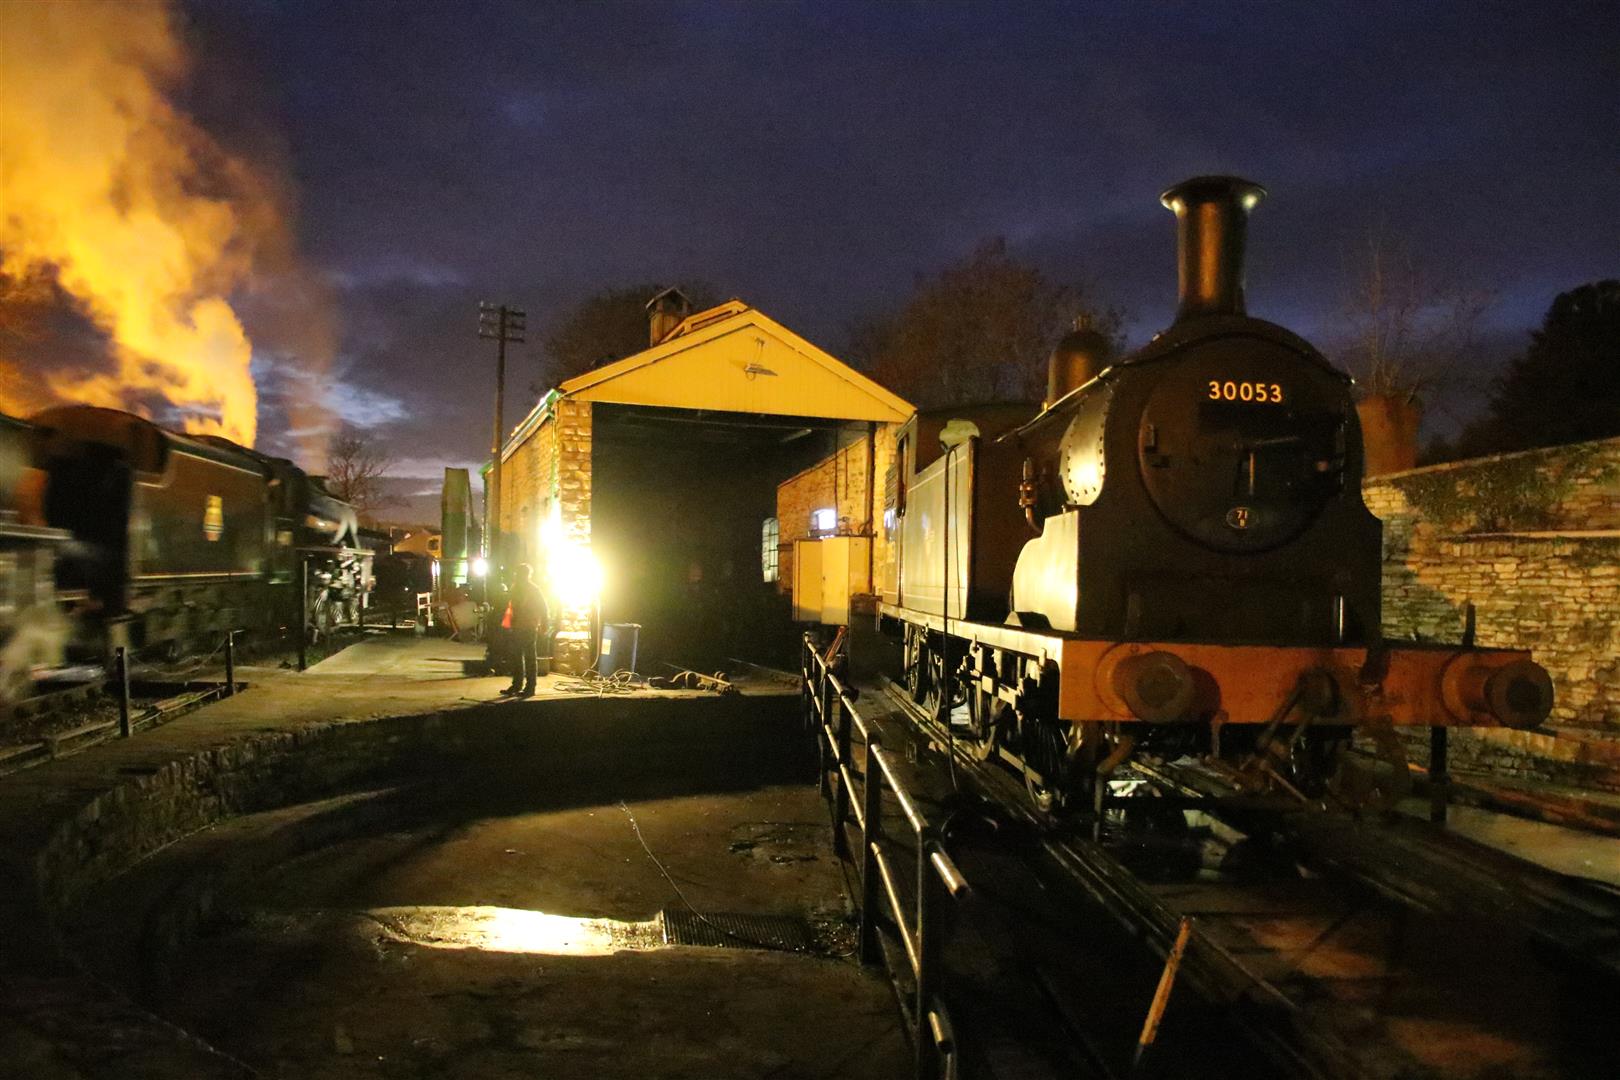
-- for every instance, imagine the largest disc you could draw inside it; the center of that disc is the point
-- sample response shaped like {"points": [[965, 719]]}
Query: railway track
{"points": [[1336, 949]]}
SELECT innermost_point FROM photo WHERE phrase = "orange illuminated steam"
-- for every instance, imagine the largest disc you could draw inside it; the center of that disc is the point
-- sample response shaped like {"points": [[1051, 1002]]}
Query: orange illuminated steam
{"points": [[104, 185]]}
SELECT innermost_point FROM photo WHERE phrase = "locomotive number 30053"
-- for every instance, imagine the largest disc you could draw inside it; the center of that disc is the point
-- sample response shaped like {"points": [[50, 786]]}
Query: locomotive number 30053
{"points": [[1231, 390]]}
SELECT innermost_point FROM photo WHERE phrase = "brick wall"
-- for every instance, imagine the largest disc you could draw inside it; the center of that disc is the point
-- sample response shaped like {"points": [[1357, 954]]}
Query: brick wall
{"points": [[1533, 541], [837, 481], [528, 479]]}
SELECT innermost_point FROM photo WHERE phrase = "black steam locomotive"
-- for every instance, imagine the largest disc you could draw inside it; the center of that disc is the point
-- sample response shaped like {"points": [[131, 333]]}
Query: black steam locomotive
{"points": [[162, 541], [1173, 557]]}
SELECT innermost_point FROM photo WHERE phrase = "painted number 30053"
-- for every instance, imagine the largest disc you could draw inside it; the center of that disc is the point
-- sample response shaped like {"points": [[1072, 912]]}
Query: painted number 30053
{"points": [[1230, 390]]}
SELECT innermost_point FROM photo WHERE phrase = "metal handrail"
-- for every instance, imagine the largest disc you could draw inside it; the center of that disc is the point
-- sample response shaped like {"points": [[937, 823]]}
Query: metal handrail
{"points": [[827, 702]]}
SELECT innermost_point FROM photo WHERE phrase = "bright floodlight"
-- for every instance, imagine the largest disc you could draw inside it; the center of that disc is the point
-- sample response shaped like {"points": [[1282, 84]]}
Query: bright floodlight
{"points": [[480, 566], [575, 575]]}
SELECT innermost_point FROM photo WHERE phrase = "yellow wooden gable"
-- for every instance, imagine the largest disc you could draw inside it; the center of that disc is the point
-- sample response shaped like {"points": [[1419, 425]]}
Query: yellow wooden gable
{"points": [[734, 358]]}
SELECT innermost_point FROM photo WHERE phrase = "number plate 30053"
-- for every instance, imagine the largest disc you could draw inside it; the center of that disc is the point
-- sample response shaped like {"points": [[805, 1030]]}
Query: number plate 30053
{"points": [[1259, 393]]}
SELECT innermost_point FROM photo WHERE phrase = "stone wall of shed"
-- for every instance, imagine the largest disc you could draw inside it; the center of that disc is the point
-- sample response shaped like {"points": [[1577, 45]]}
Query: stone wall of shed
{"points": [[553, 463], [1532, 540]]}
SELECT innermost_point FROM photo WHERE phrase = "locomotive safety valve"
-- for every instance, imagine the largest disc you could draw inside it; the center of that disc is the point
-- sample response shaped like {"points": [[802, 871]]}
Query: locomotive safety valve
{"points": [[1517, 694], [1152, 685]]}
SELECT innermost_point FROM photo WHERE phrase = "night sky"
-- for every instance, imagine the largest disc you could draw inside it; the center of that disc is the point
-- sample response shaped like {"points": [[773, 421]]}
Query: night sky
{"points": [[813, 159]]}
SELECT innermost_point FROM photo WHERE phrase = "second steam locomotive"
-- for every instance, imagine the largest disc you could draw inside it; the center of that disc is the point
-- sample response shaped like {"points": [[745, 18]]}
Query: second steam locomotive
{"points": [[1173, 557], [162, 542]]}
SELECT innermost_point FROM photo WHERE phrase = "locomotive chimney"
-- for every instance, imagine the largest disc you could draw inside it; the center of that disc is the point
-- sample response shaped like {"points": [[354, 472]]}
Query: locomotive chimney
{"points": [[1077, 359], [1212, 213]]}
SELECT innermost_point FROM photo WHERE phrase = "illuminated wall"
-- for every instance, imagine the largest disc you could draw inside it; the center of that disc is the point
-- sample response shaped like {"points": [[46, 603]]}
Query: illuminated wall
{"points": [[545, 509]]}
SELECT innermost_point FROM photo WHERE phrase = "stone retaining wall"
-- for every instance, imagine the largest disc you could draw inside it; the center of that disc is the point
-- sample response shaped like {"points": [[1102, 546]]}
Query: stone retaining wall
{"points": [[1532, 540], [70, 864]]}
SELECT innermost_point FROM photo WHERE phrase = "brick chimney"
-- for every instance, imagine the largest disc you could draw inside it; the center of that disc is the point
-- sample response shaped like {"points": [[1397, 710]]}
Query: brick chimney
{"points": [[665, 312]]}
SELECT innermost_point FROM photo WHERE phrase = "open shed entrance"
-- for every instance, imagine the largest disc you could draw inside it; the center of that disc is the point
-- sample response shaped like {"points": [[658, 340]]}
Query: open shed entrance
{"points": [[680, 498]]}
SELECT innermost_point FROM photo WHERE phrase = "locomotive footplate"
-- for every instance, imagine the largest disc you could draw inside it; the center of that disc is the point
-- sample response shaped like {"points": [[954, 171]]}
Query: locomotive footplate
{"points": [[1168, 682]]}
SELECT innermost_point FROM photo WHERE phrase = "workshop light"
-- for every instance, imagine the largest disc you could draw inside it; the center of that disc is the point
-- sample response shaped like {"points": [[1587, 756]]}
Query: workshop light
{"points": [[576, 576], [480, 566], [824, 520]]}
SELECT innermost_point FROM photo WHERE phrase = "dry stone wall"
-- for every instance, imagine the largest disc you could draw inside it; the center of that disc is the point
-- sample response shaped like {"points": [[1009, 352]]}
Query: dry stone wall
{"points": [[1532, 540]]}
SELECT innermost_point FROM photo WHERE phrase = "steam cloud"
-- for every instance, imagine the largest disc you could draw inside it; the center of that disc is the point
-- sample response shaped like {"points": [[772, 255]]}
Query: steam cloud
{"points": [[113, 198]]}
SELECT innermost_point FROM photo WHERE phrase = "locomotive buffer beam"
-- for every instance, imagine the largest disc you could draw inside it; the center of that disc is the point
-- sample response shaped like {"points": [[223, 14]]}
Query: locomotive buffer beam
{"points": [[1173, 682]]}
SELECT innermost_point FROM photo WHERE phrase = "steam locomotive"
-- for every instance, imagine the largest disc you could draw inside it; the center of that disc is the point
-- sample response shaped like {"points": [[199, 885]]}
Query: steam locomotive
{"points": [[161, 542], [1173, 557]]}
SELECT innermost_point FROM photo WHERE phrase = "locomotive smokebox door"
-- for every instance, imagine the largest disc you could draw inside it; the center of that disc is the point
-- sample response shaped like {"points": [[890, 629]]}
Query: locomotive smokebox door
{"points": [[1241, 445]]}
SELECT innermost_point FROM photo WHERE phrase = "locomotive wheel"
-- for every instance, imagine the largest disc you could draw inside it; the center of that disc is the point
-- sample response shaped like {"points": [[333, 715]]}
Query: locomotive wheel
{"points": [[913, 662], [990, 716], [1315, 759], [1377, 784], [1042, 749]]}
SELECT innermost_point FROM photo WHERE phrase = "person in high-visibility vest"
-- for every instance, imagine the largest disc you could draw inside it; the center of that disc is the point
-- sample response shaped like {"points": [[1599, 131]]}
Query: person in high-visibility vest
{"points": [[525, 617]]}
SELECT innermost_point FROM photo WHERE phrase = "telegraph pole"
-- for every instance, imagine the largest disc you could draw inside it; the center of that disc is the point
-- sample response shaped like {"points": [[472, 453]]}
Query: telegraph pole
{"points": [[503, 324]]}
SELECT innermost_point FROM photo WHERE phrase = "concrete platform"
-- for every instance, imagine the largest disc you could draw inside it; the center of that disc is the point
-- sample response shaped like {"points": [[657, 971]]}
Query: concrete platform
{"points": [[401, 656]]}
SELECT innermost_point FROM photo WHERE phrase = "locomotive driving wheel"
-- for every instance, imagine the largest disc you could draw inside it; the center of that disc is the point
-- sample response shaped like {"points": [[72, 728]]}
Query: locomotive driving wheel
{"points": [[1374, 780], [990, 718], [1043, 751], [915, 662]]}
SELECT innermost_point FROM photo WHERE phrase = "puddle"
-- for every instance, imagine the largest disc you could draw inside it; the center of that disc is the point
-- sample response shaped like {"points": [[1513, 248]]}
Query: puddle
{"points": [[515, 930], [519, 930]]}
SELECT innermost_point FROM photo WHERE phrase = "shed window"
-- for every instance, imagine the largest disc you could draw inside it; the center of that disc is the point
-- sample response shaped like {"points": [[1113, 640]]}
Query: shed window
{"points": [[769, 537], [824, 522]]}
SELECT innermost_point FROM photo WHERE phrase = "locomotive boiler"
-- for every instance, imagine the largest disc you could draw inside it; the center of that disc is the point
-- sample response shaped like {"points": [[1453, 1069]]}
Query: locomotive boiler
{"points": [[1171, 557]]}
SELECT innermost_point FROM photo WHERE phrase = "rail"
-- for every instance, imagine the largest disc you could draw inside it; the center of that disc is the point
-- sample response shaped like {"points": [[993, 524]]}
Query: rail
{"points": [[153, 714], [829, 710], [116, 682]]}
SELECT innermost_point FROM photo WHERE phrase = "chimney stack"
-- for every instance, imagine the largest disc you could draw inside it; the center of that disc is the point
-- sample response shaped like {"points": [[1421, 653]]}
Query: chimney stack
{"points": [[665, 312], [1212, 214]]}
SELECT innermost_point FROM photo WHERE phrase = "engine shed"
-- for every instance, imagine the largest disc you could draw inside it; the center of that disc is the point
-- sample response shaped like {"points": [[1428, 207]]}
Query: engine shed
{"points": [[644, 491]]}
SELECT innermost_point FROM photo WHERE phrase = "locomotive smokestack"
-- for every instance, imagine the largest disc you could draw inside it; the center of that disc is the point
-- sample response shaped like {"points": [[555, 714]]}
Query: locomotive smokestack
{"points": [[1212, 213]]}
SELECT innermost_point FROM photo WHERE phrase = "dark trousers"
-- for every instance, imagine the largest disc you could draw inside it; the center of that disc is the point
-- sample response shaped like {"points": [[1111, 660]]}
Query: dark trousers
{"points": [[526, 654]]}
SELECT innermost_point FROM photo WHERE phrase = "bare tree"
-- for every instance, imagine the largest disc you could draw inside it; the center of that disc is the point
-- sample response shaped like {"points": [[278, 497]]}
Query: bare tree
{"points": [[978, 331], [357, 470], [1408, 333]]}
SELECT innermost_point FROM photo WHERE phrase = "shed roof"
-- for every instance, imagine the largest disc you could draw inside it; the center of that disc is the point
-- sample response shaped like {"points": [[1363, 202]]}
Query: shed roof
{"points": [[734, 358]]}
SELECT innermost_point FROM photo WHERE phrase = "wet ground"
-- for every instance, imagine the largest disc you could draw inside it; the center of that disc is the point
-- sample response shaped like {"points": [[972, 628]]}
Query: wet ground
{"points": [[491, 932]]}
